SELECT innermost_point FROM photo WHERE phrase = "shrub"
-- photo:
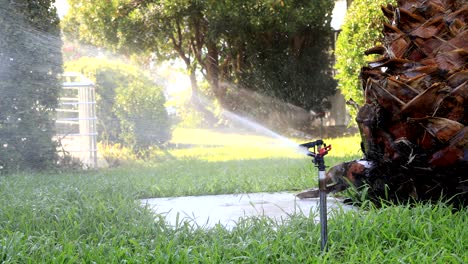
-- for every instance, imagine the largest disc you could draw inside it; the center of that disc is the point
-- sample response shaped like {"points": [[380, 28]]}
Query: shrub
{"points": [[130, 107], [143, 123], [361, 30]]}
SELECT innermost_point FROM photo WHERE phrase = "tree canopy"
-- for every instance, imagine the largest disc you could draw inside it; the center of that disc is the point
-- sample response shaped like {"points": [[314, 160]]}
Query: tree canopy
{"points": [[30, 61], [277, 47]]}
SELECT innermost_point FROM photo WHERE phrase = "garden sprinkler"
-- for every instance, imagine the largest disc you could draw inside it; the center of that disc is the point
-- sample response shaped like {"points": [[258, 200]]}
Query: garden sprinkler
{"points": [[317, 154]]}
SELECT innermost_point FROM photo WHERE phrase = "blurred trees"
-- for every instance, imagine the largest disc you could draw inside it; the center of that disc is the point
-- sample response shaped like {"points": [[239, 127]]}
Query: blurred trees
{"points": [[130, 106], [30, 60], [280, 48], [276, 47], [361, 30]]}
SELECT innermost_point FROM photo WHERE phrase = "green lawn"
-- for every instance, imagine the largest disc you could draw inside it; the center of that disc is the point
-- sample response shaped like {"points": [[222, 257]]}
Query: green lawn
{"points": [[95, 216]]}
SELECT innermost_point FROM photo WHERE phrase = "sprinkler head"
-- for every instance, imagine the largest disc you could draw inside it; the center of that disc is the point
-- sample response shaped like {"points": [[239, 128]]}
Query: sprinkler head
{"points": [[312, 144], [322, 151]]}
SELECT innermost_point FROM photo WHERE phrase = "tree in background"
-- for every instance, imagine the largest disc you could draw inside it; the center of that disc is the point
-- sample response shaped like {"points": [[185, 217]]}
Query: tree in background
{"points": [[138, 28], [279, 47], [30, 61], [130, 106], [361, 31]]}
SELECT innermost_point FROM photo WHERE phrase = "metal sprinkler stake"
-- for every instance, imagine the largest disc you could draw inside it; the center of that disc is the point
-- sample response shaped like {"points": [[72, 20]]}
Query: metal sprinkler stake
{"points": [[317, 159]]}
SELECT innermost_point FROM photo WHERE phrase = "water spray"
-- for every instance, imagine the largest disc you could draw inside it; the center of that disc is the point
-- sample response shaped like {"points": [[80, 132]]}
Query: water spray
{"points": [[317, 154]]}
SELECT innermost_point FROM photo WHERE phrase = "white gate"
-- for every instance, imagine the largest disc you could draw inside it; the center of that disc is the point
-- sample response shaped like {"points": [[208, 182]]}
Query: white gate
{"points": [[76, 119]]}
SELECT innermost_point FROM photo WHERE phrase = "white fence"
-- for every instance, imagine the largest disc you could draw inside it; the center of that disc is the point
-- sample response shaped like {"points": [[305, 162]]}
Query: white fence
{"points": [[76, 119]]}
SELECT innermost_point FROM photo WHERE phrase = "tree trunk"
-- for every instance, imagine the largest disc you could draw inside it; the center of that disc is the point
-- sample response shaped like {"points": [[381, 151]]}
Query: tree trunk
{"points": [[193, 81], [212, 71], [197, 101], [413, 124]]}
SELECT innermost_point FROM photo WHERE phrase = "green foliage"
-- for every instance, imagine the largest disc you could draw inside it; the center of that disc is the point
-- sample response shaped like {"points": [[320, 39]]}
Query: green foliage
{"points": [[30, 61], [124, 25], [287, 55], [144, 120], [188, 118], [117, 155], [130, 107], [361, 30], [275, 47]]}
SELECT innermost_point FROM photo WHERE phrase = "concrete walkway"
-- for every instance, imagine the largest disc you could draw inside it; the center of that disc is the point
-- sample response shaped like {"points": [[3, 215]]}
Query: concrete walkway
{"points": [[207, 211]]}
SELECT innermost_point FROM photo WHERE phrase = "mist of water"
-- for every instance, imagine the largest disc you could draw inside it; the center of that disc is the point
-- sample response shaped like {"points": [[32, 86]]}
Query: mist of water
{"points": [[283, 141], [258, 128]]}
